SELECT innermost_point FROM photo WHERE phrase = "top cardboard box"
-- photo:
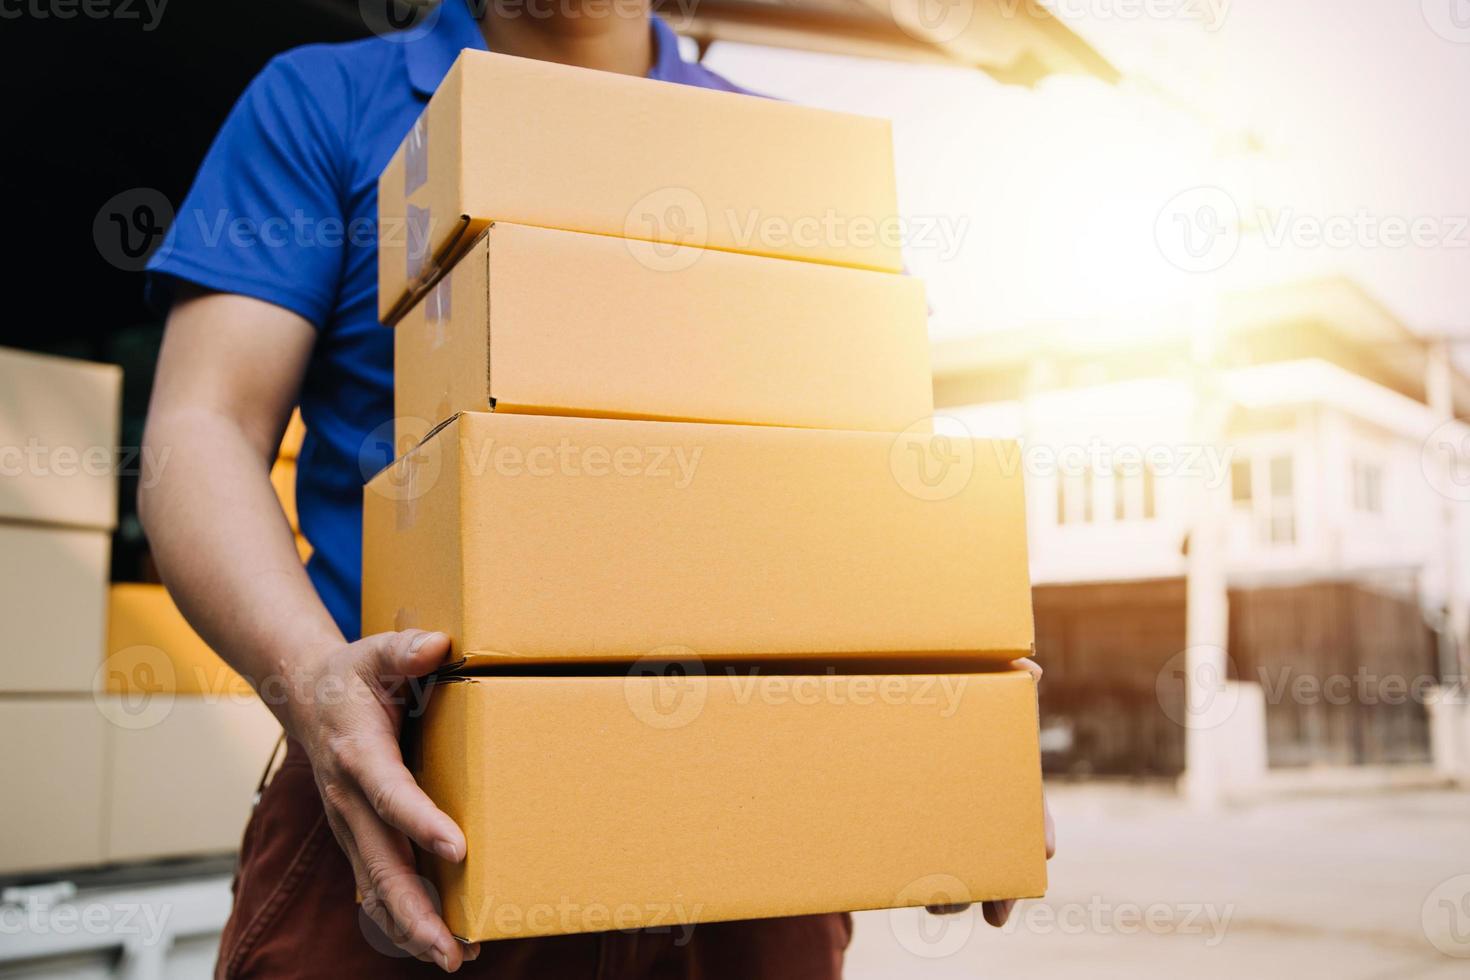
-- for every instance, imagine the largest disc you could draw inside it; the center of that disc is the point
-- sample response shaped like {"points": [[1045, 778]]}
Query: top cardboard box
{"points": [[535, 143], [59, 423], [540, 322]]}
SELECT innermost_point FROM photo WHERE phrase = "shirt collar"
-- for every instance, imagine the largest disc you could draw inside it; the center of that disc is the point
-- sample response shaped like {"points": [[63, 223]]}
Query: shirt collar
{"points": [[668, 66], [433, 46], [452, 27]]}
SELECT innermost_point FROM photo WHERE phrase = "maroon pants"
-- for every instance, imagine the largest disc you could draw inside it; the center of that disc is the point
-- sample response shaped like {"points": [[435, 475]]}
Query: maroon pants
{"points": [[295, 916]]}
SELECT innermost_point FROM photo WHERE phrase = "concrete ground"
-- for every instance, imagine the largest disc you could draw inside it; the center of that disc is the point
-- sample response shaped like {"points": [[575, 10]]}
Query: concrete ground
{"points": [[1358, 887]]}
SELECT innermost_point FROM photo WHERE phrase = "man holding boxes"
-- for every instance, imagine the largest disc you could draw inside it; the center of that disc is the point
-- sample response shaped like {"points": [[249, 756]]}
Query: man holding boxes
{"points": [[279, 284]]}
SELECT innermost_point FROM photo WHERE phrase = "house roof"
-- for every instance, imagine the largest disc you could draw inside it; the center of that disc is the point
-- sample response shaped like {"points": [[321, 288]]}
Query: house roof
{"points": [[1015, 41], [1274, 323]]}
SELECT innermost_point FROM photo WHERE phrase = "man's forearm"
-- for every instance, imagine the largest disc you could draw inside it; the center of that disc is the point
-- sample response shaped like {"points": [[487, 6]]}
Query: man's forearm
{"points": [[226, 552]]}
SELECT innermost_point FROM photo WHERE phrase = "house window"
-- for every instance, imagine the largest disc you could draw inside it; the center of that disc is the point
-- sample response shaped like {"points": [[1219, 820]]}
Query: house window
{"points": [[1074, 497], [1367, 487], [1280, 515], [1240, 482], [1134, 490]]}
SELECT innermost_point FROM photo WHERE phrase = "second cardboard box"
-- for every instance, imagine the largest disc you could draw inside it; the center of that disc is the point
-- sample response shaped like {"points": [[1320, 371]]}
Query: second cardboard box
{"points": [[547, 322]]}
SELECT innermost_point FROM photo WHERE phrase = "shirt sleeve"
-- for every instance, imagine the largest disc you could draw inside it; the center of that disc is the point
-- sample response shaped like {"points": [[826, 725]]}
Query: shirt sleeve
{"points": [[266, 214]]}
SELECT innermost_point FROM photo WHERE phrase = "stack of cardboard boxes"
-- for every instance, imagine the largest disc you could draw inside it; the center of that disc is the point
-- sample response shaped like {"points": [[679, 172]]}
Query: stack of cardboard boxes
{"points": [[731, 625], [129, 740], [58, 506]]}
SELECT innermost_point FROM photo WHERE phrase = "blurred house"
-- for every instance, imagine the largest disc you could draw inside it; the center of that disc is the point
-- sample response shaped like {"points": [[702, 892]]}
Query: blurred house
{"points": [[1341, 555]]}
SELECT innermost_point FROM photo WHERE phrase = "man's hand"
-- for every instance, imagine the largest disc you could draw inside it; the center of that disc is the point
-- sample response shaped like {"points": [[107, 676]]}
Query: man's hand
{"points": [[996, 913], [349, 727]]}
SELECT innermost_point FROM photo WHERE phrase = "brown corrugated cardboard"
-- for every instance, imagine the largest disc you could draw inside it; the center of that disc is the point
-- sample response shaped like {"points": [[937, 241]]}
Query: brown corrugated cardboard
{"points": [[295, 433], [58, 440], [536, 143], [283, 479], [592, 803], [181, 773], [542, 539], [52, 772], [54, 606], [547, 322], [152, 649]]}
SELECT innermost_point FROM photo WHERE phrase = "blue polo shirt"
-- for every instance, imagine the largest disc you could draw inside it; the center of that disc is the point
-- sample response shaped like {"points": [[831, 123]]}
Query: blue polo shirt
{"points": [[284, 209]]}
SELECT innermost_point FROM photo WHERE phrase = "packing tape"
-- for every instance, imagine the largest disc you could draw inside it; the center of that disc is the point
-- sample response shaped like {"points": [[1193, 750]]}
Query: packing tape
{"points": [[436, 312], [416, 156], [406, 486], [416, 227]]}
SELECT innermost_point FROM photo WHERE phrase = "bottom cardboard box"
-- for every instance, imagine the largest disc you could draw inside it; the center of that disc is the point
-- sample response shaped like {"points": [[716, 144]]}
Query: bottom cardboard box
{"points": [[617, 802], [51, 769]]}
